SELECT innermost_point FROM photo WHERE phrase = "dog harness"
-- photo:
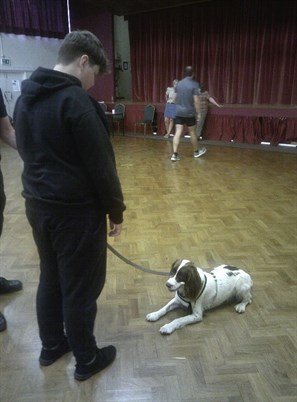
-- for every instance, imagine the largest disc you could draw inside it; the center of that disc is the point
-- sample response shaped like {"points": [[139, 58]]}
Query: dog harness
{"points": [[216, 282]]}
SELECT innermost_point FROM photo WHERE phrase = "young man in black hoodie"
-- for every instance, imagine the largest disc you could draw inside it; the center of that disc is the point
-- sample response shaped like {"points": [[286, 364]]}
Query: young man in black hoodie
{"points": [[70, 184]]}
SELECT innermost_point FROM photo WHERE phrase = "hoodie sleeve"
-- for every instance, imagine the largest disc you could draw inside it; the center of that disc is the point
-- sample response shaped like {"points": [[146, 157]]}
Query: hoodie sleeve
{"points": [[97, 159]]}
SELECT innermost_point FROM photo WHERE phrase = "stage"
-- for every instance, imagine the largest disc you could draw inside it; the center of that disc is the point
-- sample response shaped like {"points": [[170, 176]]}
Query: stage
{"points": [[250, 124]]}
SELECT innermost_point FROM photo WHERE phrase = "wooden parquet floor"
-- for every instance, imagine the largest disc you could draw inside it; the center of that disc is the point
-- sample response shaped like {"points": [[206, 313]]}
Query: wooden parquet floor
{"points": [[233, 205]]}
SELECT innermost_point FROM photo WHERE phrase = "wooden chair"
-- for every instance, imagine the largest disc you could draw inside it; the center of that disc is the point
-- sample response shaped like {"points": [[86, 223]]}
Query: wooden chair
{"points": [[148, 119], [119, 116]]}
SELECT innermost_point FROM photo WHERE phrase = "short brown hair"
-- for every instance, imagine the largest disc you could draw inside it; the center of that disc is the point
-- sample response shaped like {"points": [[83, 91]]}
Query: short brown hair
{"points": [[77, 43]]}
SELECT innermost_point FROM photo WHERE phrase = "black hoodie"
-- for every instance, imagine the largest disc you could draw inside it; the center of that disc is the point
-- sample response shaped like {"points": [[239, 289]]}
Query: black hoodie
{"points": [[63, 140]]}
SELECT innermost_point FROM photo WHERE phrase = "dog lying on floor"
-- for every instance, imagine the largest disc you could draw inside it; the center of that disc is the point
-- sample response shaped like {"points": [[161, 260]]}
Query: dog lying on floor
{"points": [[202, 291]]}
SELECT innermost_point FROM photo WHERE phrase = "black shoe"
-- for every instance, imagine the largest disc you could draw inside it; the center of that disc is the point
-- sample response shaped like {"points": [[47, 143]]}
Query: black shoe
{"points": [[104, 357], [3, 324], [9, 286], [49, 356]]}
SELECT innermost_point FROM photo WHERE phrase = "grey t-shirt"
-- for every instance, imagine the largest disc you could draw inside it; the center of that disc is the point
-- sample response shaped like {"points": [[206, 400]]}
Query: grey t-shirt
{"points": [[185, 90]]}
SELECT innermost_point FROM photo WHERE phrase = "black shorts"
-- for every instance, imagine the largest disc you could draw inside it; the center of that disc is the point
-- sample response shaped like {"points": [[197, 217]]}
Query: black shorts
{"points": [[188, 121]]}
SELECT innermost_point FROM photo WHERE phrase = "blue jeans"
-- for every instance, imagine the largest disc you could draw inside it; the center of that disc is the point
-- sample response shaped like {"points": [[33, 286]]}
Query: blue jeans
{"points": [[71, 243]]}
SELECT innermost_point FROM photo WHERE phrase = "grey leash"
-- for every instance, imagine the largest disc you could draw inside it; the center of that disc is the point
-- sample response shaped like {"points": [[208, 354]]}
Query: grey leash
{"points": [[139, 267]]}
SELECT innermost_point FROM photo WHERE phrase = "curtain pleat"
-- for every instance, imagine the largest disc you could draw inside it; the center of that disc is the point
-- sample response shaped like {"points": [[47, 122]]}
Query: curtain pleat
{"points": [[243, 51], [34, 17]]}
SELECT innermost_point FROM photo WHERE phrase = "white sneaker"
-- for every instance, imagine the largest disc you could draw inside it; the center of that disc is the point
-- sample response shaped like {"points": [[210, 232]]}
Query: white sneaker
{"points": [[199, 153], [175, 157]]}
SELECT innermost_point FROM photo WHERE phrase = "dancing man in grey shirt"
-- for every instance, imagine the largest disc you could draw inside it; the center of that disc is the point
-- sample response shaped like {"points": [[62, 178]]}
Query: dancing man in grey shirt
{"points": [[187, 112]]}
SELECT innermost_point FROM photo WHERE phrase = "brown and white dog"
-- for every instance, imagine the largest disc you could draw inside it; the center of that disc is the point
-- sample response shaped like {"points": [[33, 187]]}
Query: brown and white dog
{"points": [[203, 290]]}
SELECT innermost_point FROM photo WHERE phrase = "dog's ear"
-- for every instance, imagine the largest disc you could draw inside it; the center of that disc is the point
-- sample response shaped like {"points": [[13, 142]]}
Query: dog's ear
{"points": [[174, 267], [192, 281]]}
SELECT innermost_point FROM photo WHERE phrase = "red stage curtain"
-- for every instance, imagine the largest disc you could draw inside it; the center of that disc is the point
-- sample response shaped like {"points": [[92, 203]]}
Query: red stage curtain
{"points": [[243, 129], [35, 17], [277, 131], [243, 51]]}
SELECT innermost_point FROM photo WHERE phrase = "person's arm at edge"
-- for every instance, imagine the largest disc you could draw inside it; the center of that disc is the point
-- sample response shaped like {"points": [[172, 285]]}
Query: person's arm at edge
{"points": [[7, 133], [214, 102], [107, 186]]}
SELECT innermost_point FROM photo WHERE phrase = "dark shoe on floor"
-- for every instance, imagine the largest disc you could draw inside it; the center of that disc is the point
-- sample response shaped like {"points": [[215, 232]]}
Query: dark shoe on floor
{"points": [[104, 357], [49, 356], [9, 286], [3, 324]]}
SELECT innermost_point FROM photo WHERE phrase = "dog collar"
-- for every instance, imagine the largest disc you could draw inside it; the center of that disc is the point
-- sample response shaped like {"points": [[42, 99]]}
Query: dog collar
{"points": [[183, 298]]}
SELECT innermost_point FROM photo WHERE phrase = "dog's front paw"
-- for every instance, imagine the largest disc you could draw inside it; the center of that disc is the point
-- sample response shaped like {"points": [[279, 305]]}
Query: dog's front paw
{"points": [[240, 308], [152, 317], [167, 329]]}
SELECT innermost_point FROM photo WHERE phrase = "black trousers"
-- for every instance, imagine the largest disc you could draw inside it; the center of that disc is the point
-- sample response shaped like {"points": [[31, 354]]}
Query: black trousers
{"points": [[2, 201], [71, 243]]}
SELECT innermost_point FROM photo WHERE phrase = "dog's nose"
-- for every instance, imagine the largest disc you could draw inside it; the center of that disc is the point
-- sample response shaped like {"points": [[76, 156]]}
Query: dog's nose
{"points": [[168, 285]]}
